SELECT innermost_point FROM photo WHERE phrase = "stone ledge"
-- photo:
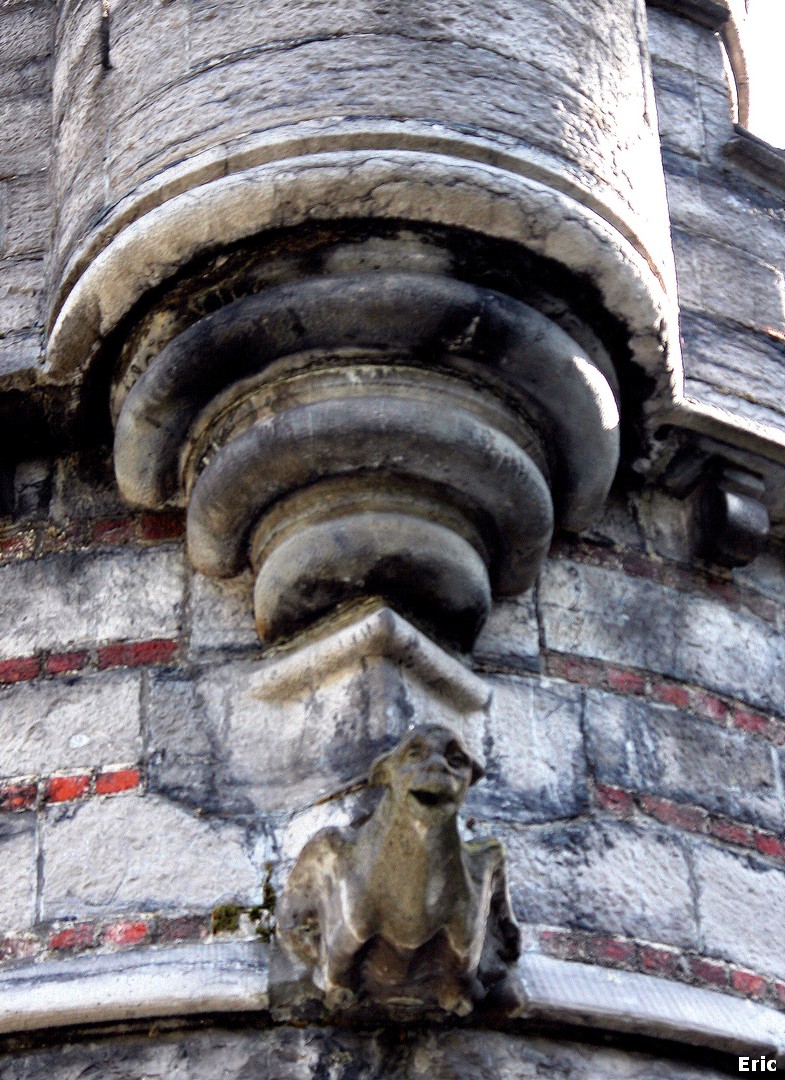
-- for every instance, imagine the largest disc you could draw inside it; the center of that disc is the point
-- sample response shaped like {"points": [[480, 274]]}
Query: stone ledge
{"points": [[708, 13], [233, 977], [756, 155], [185, 981]]}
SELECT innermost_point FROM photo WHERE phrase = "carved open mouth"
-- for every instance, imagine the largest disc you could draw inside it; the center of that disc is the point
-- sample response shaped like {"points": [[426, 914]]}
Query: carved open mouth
{"points": [[432, 798]]}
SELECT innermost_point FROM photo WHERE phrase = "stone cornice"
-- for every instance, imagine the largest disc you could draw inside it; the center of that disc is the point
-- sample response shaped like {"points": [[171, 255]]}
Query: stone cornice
{"points": [[233, 977], [708, 13]]}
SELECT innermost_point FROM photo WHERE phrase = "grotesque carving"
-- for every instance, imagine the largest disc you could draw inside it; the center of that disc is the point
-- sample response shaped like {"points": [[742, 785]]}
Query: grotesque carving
{"points": [[397, 909]]}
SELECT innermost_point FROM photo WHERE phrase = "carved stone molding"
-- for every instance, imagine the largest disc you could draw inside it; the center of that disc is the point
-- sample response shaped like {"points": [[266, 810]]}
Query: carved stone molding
{"points": [[397, 434]]}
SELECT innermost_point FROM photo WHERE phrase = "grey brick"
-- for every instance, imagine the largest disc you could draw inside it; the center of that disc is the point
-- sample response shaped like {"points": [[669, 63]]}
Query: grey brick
{"points": [[742, 909], [25, 32], [599, 613], [28, 226], [24, 135], [535, 763], [615, 878], [21, 288], [722, 281], [20, 356], [18, 875], [667, 752], [69, 724], [222, 615], [679, 120], [140, 852], [510, 636], [65, 600]]}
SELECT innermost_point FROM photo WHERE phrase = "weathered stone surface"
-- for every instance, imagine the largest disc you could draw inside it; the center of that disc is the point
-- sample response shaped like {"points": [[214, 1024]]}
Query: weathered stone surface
{"points": [[599, 613], [422, 916], [21, 284], [28, 224], [535, 761], [307, 1053], [680, 123], [25, 124], [18, 880], [510, 637], [314, 720], [646, 747], [718, 280], [63, 600], [222, 613], [741, 903], [615, 877], [140, 852], [69, 724]]}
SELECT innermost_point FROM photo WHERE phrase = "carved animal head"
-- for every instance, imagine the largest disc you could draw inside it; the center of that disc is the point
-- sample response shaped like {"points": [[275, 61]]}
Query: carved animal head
{"points": [[429, 772]]}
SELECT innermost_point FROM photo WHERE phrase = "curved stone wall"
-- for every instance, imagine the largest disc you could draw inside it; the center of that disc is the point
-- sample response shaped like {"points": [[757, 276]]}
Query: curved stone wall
{"points": [[554, 100], [634, 739]]}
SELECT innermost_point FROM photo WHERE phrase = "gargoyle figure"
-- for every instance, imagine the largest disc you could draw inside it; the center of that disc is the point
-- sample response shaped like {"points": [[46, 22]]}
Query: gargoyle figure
{"points": [[398, 910]]}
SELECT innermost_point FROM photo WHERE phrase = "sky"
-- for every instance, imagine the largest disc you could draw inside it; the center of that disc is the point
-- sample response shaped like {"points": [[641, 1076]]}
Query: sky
{"points": [[765, 41]]}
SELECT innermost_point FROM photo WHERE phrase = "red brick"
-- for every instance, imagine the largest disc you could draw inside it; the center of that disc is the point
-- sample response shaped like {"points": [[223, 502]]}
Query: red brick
{"points": [[113, 530], [58, 663], [708, 971], [747, 983], [136, 653], [615, 800], [611, 950], [81, 936], [626, 682], [564, 944], [12, 948], [182, 928], [732, 832], [770, 845], [575, 670], [657, 961], [109, 783], [64, 788], [168, 526], [711, 706], [20, 670], [125, 933], [18, 796], [670, 694], [23, 544], [641, 566], [749, 721], [691, 818]]}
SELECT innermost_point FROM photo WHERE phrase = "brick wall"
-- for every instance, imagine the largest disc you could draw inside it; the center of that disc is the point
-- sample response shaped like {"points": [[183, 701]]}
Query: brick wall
{"points": [[635, 745]]}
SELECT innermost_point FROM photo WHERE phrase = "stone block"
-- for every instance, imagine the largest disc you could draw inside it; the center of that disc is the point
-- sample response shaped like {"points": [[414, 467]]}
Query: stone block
{"points": [[222, 614], [28, 222], [25, 125], [21, 286], [680, 124], [741, 907], [17, 871], [612, 877], [65, 600], [723, 282], [535, 765], [664, 751], [686, 45], [69, 724], [733, 367], [25, 32], [510, 637], [607, 615], [20, 355], [141, 853]]}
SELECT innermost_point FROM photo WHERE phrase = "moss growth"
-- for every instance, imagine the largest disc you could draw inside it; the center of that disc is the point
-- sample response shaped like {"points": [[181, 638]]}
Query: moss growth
{"points": [[226, 918]]}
